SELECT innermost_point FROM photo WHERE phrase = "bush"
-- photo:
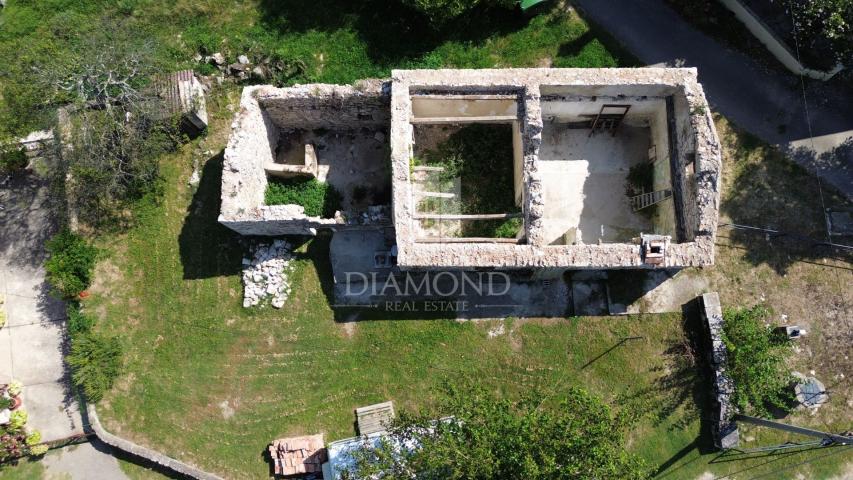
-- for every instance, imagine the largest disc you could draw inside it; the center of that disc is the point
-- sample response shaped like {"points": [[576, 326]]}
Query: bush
{"points": [[78, 322], [640, 179], [15, 388], [442, 11], [71, 262], [756, 362], [33, 438], [485, 435], [509, 228], [13, 160], [826, 22], [38, 450], [319, 199], [95, 362], [18, 419]]}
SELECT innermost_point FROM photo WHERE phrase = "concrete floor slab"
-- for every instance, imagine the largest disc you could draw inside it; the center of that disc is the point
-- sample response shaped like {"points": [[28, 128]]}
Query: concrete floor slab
{"points": [[348, 160], [5, 355], [25, 281], [52, 410], [37, 352], [22, 310], [590, 297], [657, 291], [87, 461], [584, 183]]}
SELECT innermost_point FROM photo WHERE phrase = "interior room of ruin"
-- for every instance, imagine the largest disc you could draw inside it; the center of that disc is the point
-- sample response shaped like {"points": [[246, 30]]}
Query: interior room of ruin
{"points": [[585, 169], [466, 171]]}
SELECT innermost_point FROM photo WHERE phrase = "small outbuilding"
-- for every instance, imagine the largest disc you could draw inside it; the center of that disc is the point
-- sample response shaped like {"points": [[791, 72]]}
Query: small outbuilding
{"points": [[183, 96]]}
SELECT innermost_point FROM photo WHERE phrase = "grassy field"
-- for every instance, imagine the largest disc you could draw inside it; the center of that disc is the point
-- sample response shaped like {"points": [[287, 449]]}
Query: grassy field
{"points": [[24, 470], [336, 41], [213, 383]]}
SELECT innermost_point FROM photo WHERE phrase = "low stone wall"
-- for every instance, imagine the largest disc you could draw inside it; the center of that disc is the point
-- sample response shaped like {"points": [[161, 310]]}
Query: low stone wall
{"points": [[142, 452], [723, 428]]}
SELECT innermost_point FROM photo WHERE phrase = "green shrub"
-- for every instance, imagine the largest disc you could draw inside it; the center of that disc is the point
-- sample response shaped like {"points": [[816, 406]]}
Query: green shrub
{"points": [[34, 438], [78, 322], [95, 362], [577, 435], [38, 450], [442, 11], [18, 419], [71, 262], [5, 403], [640, 179], [13, 160], [319, 199], [509, 228], [756, 362]]}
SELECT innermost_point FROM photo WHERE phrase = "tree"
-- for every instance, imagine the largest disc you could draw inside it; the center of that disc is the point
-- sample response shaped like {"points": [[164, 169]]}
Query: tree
{"points": [[116, 129], [756, 360], [489, 437], [826, 22]]}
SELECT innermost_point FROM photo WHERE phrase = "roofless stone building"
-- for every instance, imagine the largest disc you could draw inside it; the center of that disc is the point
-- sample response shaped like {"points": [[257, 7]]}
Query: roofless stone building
{"points": [[563, 169]]}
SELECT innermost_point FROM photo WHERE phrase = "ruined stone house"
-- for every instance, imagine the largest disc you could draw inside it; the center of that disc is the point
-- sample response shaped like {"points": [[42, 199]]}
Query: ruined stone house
{"points": [[540, 174], [571, 141]]}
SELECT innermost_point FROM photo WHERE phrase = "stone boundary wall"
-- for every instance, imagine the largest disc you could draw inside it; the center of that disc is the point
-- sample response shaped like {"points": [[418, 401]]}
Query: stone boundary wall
{"points": [[723, 428], [142, 452], [697, 140]]}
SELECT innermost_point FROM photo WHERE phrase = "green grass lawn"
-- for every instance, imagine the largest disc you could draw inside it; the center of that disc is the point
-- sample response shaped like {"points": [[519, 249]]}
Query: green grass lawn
{"points": [[24, 470], [212, 383], [336, 41]]}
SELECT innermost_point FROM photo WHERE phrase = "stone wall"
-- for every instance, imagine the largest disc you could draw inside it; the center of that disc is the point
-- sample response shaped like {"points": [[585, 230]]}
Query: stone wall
{"points": [[143, 452], [327, 106], [266, 111], [695, 134], [39, 145], [723, 427]]}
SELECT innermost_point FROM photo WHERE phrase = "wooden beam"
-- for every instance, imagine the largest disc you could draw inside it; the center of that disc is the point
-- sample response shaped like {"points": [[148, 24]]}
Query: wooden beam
{"points": [[444, 120], [482, 216], [436, 96], [427, 168], [435, 194], [466, 240]]}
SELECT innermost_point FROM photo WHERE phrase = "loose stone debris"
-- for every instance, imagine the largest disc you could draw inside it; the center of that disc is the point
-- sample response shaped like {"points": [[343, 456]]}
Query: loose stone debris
{"points": [[265, 274]]}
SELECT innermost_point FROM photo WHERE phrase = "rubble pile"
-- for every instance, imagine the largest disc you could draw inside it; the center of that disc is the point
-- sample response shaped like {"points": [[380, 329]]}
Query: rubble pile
{"points": [[265, 274]]}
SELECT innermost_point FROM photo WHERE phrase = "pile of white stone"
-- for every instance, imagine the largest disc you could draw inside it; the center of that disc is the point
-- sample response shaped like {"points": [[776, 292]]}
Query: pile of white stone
{"points": [[265, 274]]}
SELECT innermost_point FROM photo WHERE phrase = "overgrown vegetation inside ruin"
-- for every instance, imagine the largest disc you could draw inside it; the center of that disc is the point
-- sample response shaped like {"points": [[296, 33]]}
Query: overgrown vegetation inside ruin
{"points": [[320, 199], [479, 159]]}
